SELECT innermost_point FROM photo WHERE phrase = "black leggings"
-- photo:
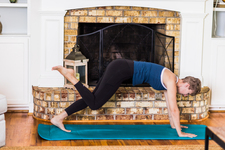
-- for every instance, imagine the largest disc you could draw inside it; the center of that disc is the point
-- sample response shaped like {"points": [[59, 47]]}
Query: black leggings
{"points": [[116, 72]]}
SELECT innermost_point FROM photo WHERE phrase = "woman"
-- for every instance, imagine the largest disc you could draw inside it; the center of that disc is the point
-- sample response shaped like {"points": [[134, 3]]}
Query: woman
{"points": [[159, 77]]}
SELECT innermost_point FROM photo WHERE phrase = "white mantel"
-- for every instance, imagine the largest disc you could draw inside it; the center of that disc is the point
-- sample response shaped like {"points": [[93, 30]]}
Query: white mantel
{"points": [[52, 32], [184, 6]]}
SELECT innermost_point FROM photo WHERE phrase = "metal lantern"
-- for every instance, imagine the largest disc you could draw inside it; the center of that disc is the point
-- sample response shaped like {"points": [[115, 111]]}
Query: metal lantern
{"points": [[78, 62]]}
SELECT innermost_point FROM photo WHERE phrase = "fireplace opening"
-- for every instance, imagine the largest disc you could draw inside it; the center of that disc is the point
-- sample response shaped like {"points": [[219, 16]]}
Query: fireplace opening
{"points": [[102, 43]]}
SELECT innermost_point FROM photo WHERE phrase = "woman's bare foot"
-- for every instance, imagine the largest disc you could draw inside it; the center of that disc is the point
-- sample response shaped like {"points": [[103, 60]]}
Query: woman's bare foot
{"points": [[58, 121], [67, 73]]}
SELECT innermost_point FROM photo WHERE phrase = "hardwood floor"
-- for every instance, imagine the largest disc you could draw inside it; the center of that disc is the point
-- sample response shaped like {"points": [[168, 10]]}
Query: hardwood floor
{"points": [[21, 130]]}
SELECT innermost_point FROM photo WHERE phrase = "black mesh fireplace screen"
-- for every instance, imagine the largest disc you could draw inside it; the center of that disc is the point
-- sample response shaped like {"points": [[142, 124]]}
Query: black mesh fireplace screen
{"points": [[130, 41]]}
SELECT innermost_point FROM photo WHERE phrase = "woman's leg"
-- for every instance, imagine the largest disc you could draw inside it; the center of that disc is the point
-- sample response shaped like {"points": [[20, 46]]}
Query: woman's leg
{"points": [[58, 119], [67, 73], [80, 104], [115, 74], [76, 106]]}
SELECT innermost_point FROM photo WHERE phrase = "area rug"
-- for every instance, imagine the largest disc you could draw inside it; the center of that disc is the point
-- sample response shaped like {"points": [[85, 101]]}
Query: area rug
{"points": [[164, 147], [124, 132]]}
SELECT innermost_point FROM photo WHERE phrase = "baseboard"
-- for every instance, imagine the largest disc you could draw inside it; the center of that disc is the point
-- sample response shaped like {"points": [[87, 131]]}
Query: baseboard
{"points": [[217, 111], [17, 107], [217, 108], [18, 111]]}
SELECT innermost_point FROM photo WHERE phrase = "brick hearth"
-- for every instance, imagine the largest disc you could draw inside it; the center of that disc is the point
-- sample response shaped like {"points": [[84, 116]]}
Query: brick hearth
{"points": [[128, 103]]}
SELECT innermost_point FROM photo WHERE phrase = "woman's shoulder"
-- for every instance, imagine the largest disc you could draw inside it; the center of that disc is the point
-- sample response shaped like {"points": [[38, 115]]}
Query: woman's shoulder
{"points": [[168, 75]]}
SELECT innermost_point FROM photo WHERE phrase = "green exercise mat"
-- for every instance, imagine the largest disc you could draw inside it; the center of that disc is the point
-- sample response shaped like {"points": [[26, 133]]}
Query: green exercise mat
{"points": [[94, 132]]}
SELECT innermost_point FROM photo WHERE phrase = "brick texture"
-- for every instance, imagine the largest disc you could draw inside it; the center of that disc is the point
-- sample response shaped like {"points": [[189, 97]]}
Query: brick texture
{"points": [[105, 20], [121, 14], [79, 12], [122, 20], [114, 13], [52, 101], [149, 13], [96, 13]]}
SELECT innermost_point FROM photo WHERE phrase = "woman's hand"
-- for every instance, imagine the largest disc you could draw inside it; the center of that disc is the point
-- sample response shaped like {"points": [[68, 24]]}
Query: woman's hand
{"points": [[182, 134]]}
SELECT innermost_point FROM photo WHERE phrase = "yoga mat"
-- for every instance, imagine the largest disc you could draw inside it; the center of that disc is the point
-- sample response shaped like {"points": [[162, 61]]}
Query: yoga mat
{"points": [[126, 132]]}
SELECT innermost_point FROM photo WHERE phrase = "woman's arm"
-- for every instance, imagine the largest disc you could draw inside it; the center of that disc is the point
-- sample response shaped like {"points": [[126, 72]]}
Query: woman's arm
{"points": [[168, 109], [173, 108], [169, 114]]}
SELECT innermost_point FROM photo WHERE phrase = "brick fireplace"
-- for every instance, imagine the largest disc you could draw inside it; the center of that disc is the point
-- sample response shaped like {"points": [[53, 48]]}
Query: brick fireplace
{"points": [[61, 23], [169, 21]]}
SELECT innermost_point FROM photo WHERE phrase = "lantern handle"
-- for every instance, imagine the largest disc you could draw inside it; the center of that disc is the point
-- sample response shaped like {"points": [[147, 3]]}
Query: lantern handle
{"points": [[76, 47]]}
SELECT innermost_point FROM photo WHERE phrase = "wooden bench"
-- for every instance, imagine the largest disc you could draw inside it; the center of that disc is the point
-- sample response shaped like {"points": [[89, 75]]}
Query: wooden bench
{"points": [[217, 134]]}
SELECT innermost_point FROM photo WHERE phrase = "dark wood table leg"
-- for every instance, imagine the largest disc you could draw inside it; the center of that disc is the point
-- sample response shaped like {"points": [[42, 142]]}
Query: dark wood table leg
{"points": [[206, 138]]}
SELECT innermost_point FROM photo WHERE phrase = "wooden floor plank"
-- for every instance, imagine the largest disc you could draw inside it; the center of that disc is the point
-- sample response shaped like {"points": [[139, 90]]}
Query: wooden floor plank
{"points": [[77, 142], [21, 130]]}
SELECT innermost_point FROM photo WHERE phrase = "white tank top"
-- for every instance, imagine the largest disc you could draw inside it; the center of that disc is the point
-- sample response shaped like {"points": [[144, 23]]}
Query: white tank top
{"points": [[162, 78]]}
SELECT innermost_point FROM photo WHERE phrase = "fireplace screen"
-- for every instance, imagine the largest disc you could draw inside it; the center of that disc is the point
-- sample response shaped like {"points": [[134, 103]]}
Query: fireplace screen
{"points": [[130, 41]]}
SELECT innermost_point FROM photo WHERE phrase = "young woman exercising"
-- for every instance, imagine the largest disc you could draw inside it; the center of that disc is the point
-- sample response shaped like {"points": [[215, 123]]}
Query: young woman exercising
{"points": [[159, 77]]}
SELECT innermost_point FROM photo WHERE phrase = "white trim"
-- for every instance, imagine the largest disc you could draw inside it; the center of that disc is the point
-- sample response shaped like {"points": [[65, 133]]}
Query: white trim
{"points": [[23, 99], [218, 9], [161, 78], [175, 5], [53, 13], [195, 15], [19, 5], [18, 107], [52, 45], [217, 107], [192, 26]]}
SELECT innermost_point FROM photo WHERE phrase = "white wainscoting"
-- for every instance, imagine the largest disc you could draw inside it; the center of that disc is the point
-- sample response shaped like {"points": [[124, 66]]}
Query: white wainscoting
{"points": [[14, 76], [52, 37], [218, 74], [191, 44]]}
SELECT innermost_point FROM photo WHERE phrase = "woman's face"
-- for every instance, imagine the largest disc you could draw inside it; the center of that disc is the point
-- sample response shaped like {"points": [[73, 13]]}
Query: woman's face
{"points": [[184, 89]]}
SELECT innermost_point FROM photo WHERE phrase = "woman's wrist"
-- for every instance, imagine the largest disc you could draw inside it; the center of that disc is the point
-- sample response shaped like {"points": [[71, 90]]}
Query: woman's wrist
{"points": [[179, 133]]}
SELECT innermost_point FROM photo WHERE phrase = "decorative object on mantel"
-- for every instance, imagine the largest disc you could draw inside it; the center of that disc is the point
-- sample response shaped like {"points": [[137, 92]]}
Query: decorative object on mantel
{"points": [[219, 3], [78, 62], [128, 103], [13, 1], [0, 27]]}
